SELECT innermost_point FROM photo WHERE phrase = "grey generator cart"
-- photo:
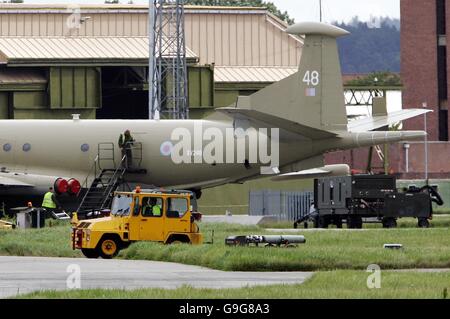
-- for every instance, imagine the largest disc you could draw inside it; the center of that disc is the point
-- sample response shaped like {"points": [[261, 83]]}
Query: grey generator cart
{"points": [[354, 199]]}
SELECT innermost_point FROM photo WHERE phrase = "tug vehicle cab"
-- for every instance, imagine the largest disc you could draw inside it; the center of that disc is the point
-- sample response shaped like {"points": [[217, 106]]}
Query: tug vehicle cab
{"points": [[167, 217], [6, 225]]}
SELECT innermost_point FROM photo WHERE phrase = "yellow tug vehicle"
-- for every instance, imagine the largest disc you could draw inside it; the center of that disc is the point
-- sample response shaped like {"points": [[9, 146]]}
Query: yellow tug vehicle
{"points": [[6, 225], [143, 215]]}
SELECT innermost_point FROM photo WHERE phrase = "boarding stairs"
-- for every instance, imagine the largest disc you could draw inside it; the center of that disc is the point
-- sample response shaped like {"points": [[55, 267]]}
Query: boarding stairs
{"points": [[107, 178], [98, 196], [60, 215]]}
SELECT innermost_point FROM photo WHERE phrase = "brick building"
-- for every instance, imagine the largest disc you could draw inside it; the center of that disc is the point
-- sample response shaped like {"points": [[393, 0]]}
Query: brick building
{"points": [[424, 70]]}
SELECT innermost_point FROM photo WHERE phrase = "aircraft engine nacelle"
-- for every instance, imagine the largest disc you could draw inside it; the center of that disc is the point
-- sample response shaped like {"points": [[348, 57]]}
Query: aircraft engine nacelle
{"points": [[74, 187], [71, 186], [61, 186]]}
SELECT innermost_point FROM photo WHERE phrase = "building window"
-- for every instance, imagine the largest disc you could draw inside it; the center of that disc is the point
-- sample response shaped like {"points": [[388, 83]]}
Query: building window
{"points": [[441, 17], [443, 125], [442, 75]]}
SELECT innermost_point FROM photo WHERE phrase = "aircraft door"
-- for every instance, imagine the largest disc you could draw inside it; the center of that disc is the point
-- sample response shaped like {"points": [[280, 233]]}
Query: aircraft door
{"points": [[178, 217], [135, 220], [152, 219]]}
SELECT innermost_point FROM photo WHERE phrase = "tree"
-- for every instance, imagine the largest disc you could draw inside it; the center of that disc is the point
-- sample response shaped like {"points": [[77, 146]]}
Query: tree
{"points": [[271, 7], [377, 79], [370, 47]]}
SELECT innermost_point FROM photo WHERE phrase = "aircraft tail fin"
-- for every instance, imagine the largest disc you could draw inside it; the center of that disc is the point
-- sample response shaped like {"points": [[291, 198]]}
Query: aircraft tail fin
{"points": [[314, 95]]}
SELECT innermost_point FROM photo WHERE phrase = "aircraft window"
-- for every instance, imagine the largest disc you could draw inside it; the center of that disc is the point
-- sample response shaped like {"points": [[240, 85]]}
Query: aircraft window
{"points": [[152, 207], [27, 147], [85, 148], [7, 147], [178, 207]]}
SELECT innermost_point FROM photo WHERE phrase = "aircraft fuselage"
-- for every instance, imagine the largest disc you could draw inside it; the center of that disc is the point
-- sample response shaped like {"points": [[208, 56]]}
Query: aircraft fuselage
{"points": [[69, 149]]}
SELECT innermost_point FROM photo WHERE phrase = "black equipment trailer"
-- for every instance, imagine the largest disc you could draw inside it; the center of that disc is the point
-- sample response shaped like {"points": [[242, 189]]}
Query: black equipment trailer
{"points": [[351, 199]]}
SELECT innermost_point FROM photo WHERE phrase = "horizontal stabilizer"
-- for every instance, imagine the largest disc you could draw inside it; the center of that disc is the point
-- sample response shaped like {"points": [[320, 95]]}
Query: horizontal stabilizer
{"points": [[270, 121], [376, 122], [330, 170]]}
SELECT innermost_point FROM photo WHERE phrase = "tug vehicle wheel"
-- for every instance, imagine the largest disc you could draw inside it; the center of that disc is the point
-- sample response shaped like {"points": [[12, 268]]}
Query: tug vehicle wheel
{"points": [[108, 248], [323, 222], [354, 222], [90, 253], [423, 223], [389, 223]]}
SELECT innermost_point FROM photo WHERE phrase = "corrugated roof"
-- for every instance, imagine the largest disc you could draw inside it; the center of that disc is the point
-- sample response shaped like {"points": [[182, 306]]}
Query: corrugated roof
{"points": [[21, 76], [85, 50], [121, 7], [240, 74]]}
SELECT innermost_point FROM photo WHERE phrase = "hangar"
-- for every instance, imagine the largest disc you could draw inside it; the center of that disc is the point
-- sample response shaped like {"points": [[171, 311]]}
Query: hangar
{"points": [[52, 67]]}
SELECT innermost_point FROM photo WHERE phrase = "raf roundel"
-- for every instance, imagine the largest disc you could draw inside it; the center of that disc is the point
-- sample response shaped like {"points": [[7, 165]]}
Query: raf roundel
{"points": [[166, 149]]}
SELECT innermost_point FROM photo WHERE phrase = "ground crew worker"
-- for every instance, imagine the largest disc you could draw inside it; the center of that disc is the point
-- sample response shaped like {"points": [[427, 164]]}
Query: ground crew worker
{"points": [[152, 207], [147, 209], [156, 209], [50, 203], [125, 143]]}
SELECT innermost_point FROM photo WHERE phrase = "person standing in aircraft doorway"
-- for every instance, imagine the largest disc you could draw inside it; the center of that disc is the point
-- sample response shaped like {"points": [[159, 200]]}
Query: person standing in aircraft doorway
{"points": [[126, 143]]}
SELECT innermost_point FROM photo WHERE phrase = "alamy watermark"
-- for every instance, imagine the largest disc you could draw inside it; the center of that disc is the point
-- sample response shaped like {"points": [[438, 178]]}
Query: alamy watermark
{"points": [[74, 19], [374, 279], [214, 146], [73, 281]]}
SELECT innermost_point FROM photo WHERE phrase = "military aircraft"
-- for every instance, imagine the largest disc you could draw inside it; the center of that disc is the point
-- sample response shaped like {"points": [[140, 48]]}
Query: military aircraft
{"points": [[307, 109]]}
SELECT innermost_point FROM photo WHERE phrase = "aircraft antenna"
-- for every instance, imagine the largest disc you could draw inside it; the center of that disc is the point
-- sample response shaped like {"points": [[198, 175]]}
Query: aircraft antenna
{"points": [[168, 91]]}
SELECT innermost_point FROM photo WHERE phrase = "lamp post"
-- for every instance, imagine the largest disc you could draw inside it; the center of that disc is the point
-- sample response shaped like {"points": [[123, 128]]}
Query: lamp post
{"points": [[425, 106], [406, 146]]}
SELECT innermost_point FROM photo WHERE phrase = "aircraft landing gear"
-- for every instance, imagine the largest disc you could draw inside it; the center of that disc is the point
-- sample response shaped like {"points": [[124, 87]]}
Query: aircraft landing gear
{"points": [[198, 193]]}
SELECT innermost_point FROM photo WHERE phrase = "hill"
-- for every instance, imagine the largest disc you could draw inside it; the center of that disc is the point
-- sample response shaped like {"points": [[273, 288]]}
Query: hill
{"points": [[371, 47]]}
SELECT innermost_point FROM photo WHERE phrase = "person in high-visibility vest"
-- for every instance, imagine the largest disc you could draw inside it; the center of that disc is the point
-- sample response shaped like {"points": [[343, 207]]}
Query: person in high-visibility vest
{"points": [[50, 203], [152, 208], [156, 209]]}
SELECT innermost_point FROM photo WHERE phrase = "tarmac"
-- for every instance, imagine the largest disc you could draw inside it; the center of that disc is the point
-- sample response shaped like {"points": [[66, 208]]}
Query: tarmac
{"points": [[244, 220], [21, 275]]}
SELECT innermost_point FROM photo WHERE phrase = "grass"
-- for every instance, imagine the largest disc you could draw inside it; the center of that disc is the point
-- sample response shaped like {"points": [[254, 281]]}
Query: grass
{"points": [[323, 285], [439, 221], [324, 250], [49, 242]]}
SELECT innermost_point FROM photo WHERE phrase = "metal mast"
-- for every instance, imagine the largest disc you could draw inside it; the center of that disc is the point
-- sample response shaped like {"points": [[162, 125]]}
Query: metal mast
{"points": [[167, 68], [320, 8]]}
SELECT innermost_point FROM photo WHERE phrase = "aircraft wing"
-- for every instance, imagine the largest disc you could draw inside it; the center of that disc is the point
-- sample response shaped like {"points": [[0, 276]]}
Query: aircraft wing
{"points": [[376, 122], [12, 182], [271, 121], [330, 170]]}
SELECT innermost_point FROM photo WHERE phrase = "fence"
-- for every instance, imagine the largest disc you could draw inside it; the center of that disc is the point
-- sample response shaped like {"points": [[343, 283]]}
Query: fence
{"points": [[289, 206]]}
